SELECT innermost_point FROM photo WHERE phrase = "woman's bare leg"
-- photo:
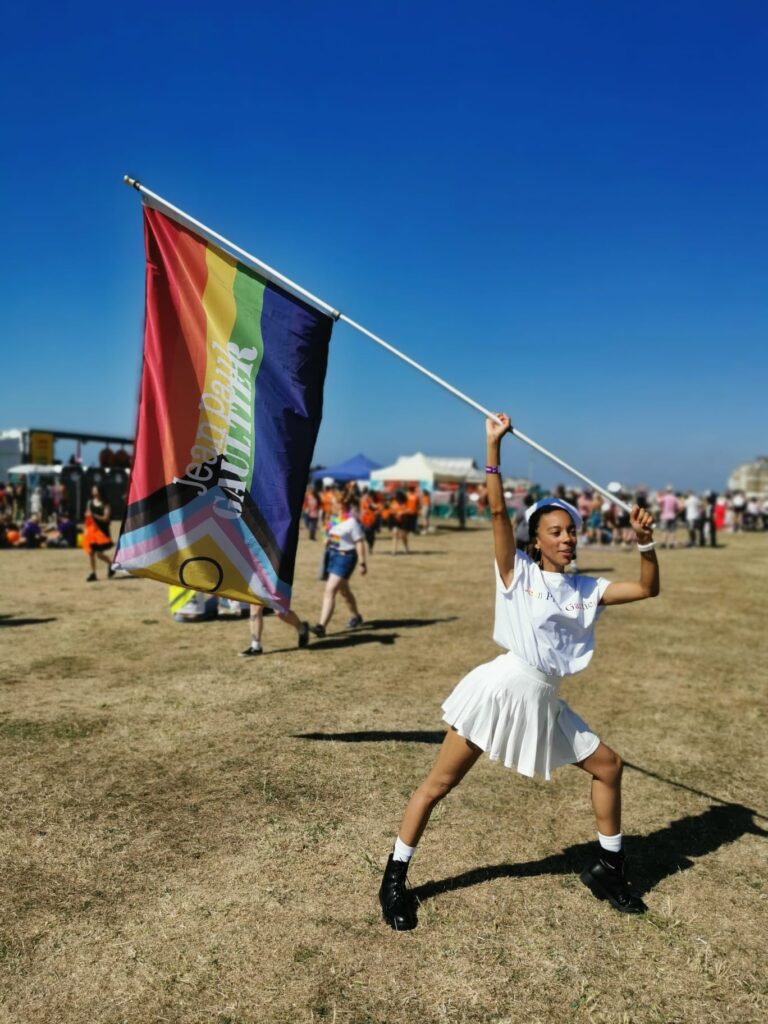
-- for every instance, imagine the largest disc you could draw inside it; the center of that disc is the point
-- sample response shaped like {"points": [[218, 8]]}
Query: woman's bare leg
{"points": [[346, 592], [329, 598], [256, 623], [605, 766], [455, 757], [606, 877]]}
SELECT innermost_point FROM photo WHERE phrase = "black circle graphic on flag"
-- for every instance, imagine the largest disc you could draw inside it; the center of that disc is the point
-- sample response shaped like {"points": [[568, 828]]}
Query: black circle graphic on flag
{"points": [[201, 573]]}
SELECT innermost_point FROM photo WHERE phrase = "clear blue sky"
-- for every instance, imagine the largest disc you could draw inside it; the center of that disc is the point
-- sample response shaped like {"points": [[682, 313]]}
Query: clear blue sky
{"points": [[559, 207]]}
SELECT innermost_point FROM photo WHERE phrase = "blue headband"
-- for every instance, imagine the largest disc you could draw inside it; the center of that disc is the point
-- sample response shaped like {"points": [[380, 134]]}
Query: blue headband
{"points": [[558, 503]]}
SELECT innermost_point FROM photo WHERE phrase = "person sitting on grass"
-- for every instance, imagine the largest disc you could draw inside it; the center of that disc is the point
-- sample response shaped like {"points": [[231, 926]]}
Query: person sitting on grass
{"points": [[510, 708], [63, 534], [9, 532], [31, 535]]}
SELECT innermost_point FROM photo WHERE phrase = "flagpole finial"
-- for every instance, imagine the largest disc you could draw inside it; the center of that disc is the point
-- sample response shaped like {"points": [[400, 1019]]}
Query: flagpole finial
{"points": [[132, 182]]}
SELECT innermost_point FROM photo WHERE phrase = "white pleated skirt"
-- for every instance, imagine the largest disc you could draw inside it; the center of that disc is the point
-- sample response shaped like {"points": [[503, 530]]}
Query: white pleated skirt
{"points": [[514, 713]]}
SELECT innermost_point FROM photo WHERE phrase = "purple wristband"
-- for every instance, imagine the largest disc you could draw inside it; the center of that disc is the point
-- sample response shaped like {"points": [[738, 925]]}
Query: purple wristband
{"points": [[492, 469]]}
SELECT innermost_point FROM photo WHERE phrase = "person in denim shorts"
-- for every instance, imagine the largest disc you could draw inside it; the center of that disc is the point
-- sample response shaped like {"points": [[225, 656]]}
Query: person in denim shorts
{"points": [[345, 549]]}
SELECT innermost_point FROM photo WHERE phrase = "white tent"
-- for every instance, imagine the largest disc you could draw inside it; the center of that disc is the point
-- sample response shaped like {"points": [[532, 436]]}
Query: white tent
{"points": [[34, 469], [428, 472]]}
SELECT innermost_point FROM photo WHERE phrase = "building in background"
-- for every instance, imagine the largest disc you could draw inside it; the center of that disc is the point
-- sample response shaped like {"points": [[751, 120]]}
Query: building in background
{"points": [[751, 477], [27, 454]]}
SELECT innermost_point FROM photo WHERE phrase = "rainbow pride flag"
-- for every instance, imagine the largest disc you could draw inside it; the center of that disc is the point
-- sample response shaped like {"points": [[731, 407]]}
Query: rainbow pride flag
{"points": [[231, 402]]}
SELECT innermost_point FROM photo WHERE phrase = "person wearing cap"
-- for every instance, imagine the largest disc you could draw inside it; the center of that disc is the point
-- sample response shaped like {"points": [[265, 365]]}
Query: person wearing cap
{"points": [[510, 708]]}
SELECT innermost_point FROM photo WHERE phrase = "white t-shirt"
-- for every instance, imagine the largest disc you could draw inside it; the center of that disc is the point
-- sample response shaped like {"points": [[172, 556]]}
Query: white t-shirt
{"points": [[692, 508], [343, 534], [548, 618]]}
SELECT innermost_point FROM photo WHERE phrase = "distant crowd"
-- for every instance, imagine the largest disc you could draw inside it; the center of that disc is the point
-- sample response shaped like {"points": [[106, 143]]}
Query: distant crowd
{"points": [[47, 523], [403, 512], [684, 519]]}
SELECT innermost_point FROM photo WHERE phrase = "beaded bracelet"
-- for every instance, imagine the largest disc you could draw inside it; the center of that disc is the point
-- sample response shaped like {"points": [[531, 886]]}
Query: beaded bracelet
{"points": [[492, 469]]}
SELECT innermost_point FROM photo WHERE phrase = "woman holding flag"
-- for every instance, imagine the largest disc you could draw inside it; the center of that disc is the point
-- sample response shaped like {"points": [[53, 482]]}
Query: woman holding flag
{"points": [[509, 708]]}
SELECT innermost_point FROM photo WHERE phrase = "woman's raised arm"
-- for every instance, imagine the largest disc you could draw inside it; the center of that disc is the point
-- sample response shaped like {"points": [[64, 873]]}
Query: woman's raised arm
{"points": [[503, 534]]}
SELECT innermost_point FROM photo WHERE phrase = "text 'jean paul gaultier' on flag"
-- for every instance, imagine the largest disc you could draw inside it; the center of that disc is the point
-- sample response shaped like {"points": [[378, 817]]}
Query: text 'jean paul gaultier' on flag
{"points": [[231, 402]]}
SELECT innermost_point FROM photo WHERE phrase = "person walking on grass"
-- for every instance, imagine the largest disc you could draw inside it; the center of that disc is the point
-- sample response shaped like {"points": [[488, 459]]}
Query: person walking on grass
{"points": [[399, 522], [345, 548], [96, 536], [256, 622], [509, 708]]}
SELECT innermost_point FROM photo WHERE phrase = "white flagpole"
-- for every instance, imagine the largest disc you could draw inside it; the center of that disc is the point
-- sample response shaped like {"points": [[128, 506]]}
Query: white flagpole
{"points": [[152, 199]]}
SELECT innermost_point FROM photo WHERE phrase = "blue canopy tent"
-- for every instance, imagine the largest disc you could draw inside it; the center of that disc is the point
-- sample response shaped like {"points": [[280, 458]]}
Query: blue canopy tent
{"points": [[359, 467]]}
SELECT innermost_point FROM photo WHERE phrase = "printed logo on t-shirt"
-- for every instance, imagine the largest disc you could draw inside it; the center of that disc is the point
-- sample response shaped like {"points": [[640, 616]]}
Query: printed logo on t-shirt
{"points": [[571, 606]]}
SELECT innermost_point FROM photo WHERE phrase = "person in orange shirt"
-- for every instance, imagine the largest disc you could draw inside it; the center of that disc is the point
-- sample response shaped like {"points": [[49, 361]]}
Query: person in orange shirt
{"points": [[412, 509], [370, 509], [326, 503], [398, 519]]}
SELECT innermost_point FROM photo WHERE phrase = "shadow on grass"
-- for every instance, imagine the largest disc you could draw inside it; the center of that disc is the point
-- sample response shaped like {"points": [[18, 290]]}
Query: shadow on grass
{"points": [[334, 643], [403, 623], [413, 551], [417, 736], [653, 857], [364, 634], [10, 620]]}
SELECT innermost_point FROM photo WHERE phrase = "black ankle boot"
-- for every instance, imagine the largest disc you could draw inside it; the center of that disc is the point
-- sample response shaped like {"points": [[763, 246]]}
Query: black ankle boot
{"points": [[606, 879], [396, 902]]}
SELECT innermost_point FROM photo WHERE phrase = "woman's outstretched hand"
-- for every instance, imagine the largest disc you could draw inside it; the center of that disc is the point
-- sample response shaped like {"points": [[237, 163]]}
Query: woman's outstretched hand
{"points": [[641, 522], [495, 431]]}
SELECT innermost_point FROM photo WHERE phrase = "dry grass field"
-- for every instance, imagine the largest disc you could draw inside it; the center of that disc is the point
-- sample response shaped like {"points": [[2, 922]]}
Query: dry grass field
{"points": [[192, 837]]}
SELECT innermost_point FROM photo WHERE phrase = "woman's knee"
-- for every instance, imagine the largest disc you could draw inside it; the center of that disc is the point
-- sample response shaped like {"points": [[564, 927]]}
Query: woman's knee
{"points": [[612, 768], [605, 765], [434, 789]]}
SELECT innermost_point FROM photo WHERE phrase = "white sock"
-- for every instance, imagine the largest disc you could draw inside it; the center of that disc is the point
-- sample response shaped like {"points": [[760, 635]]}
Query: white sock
{"points": [[403, 852], [255, 645], [612, 843]]}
